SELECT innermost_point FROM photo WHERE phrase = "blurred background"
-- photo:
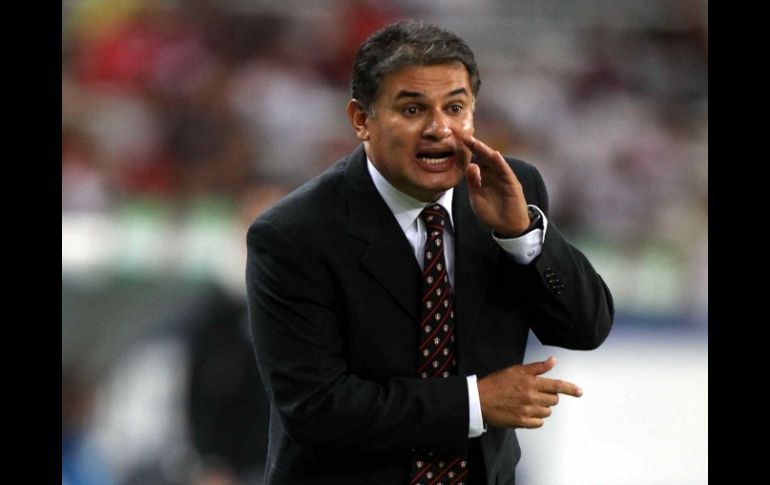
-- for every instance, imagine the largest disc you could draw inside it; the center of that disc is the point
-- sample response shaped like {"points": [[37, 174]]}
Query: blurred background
{"points": [[182, 120]]}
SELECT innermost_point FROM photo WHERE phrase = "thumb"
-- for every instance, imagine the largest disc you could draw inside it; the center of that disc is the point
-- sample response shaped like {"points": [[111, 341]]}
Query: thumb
{"points": [[537, 368]]}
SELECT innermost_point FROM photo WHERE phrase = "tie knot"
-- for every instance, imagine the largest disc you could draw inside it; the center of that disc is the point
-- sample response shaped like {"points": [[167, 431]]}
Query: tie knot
{"points": [[435, 217]]}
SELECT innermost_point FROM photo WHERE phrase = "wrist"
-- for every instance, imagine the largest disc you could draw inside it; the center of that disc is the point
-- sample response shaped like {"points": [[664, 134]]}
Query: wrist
{"points": [[535, 222]]}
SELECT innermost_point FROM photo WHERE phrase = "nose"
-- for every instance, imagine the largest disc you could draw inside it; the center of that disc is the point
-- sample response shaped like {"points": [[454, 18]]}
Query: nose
{"points": [[437, 127]]}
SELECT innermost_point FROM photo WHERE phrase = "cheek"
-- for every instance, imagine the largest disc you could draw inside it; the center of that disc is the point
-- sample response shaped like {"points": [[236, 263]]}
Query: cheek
{"points": [[464, 126], [467, 126]]}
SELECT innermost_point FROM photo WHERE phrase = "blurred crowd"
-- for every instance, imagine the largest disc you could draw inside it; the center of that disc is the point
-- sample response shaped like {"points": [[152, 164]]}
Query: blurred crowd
{"points": [[177, 101], [201, 103]]}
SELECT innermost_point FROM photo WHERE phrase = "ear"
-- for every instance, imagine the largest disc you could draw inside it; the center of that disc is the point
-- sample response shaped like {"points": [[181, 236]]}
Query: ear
{"points": [[359, 118]]}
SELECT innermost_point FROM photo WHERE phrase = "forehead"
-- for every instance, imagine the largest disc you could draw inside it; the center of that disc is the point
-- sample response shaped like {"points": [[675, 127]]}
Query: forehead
{"points": [[429, 81]]}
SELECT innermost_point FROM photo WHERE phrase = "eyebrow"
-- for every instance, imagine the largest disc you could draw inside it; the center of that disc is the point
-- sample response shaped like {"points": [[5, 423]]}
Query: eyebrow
{"points": [[458, 91], [414, 94]]}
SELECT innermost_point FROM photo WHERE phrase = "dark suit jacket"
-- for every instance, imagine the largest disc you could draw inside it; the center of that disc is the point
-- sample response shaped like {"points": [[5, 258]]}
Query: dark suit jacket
{"points": [[333, 291]]}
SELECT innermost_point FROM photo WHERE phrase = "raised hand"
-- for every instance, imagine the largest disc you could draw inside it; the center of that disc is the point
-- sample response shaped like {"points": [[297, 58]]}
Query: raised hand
{"points": [[495, 192], [517, 397]]}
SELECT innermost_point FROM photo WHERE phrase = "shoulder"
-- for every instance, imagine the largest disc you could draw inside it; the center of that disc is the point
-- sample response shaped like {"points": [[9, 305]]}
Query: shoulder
{"points": [[522, 169], [315, 204], [531, 182]]}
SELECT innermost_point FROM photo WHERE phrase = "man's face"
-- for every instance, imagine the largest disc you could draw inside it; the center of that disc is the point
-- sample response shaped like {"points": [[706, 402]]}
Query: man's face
{"points": [[413, 134]]}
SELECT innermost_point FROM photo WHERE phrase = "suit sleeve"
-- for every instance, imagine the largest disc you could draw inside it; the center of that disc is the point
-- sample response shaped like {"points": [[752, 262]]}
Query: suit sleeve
{"points": [[300, 349], [569, 304]]}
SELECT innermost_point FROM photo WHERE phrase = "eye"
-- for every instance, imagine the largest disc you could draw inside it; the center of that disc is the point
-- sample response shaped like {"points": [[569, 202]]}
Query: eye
{"points": [[456, 108], [410, 110]]}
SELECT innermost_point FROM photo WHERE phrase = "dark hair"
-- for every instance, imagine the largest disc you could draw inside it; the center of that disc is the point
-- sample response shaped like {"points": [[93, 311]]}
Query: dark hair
{"points": [[402, 44]]}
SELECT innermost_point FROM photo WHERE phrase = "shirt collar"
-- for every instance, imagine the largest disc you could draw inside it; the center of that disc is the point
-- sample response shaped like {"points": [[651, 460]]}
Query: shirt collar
{"points": [[406, 208]]}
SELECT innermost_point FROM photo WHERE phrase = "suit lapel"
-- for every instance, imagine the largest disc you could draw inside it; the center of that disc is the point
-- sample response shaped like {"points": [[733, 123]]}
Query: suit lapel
{"points": [[389, 257], [475, 257]]}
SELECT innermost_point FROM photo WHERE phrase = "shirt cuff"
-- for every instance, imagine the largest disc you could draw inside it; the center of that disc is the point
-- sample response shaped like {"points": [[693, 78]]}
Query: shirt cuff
{"points": [[525, 248], [476, 426]]}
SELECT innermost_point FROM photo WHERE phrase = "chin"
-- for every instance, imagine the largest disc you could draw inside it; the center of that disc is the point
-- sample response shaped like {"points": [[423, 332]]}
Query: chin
{"points": [[437, 187], [445, 180]]}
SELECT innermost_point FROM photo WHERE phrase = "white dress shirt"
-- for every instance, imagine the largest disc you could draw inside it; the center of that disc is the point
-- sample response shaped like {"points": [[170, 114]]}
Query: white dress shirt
{"points": [[407, 209]]}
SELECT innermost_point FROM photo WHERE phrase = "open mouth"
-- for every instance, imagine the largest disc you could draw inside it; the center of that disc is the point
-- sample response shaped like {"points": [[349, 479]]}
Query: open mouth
{"points": [[435, 157]]}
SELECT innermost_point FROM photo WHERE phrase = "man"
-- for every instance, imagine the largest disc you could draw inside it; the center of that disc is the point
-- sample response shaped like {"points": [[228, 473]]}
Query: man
{"points": [[391, 297]]}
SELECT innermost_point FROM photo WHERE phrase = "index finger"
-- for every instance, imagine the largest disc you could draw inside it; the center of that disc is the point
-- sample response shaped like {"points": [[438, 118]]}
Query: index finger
{"points": [[556, 386], [484, 154], [477, 146]]}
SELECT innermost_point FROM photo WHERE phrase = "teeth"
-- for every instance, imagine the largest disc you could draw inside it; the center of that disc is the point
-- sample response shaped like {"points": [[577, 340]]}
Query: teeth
{"points": [[434, 161]]}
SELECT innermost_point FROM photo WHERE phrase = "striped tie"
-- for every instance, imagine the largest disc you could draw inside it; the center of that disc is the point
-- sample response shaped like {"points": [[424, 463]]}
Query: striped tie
{"points": [[436, 351]]}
